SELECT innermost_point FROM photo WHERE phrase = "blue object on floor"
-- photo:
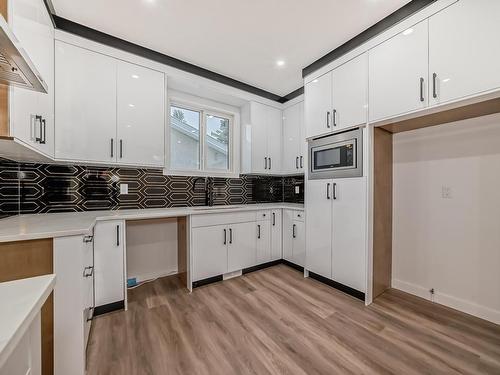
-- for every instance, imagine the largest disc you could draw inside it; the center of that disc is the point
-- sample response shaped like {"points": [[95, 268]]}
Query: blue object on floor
{"points": [[131, 282]]}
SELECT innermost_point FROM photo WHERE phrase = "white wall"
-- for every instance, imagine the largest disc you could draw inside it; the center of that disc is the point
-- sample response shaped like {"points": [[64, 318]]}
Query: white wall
{"points": [[151, 248], [449, 244]]}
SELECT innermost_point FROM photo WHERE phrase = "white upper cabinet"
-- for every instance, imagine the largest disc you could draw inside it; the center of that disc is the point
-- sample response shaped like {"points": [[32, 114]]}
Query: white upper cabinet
{"points": [[261, 139], [108, 111], [85, 105], [350, 93], [318, 105], [32, 113], [464, 52], [140, 116], [293, 139], [398, 70]]}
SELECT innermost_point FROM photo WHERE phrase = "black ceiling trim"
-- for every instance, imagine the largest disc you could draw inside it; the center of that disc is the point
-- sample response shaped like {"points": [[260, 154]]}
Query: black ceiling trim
{"points": [[112, 41], [389, 21], [292, 95]]}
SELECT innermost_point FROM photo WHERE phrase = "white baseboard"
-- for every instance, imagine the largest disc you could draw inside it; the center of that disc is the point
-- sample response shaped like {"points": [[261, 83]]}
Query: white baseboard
{"points": [[459, 304]]}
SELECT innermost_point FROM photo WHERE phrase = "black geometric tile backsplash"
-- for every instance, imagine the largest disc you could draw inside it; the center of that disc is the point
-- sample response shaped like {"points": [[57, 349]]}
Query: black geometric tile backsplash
{"points": [[39, 188]]}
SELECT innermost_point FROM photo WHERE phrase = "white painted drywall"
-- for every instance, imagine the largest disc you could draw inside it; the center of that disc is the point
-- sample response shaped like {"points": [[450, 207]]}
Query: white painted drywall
{"points": [[449, 244], [151, 248]]}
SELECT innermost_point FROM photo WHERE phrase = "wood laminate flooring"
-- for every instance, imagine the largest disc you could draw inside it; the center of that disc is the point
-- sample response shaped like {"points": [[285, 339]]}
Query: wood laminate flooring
{"points": [[274, 321]]}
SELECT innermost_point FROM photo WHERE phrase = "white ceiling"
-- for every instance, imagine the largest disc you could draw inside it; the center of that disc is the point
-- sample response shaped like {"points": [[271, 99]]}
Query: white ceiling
{"points": [[241, 39]]}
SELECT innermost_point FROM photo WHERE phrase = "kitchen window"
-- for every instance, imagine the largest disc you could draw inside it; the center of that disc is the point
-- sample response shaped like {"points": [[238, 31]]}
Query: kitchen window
{"points": [[201, 141]]}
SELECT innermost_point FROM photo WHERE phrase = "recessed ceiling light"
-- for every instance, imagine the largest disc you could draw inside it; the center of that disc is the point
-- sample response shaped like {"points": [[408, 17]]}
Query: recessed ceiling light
{"points": [[131, 105], [280, 62], [408, 31], [135, 76], [315, 80]]}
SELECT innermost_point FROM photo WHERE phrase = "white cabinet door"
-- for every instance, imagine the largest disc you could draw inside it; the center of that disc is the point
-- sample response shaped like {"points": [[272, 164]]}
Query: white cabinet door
{"points": [[274, 138], [299, 243], [263, 242], [33, 27], [276, 235], [85, 107], [140, 116], [318, 204], [464, 52], [349, 232], [318, 105], [258, 115], [350, 93], [209, 249], [109, 262], [398, 70], [288, 235], [291, 138], [241, 252]]}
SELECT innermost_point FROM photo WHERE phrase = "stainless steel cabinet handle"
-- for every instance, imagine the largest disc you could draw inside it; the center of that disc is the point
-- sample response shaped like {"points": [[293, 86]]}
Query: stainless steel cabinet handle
{"points": [[334, 190], [334, 117], [301, 161], [274, 219], [265, 162], [230, 235], [117, 235], [422, 89], [43, 131], [121, 148], [270, 164], [328, 191], [434, 85], [38, 121], [297, 162], [328, 119], [225, 236], [112, 147], [293, 230], [88, 271], [258, 233]]}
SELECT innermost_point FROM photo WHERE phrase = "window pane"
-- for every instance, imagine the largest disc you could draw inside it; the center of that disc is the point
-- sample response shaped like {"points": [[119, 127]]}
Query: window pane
{"points": [[184, 138], [217, 143]]}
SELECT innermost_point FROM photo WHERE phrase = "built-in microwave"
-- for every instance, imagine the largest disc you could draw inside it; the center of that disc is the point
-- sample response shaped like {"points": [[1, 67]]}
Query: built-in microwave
{"points": [[336, 156]]}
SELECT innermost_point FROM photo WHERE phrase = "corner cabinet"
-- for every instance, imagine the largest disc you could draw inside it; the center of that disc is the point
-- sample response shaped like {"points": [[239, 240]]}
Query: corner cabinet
{"points": [[261, 139], [107, 111], [294, 143], [32, 113]]}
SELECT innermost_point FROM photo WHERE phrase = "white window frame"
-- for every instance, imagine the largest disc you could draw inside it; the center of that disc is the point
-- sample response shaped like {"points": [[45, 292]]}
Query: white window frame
{"points": [[205, 109]]}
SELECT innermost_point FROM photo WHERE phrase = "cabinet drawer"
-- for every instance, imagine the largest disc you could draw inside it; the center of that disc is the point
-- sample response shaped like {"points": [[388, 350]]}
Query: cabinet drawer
{"points": [[298, 215], [205, 220], [263, 215]]}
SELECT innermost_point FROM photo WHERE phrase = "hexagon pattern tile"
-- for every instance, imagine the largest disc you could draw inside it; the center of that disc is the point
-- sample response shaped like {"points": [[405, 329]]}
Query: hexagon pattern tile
{"points": [[40, 188]]}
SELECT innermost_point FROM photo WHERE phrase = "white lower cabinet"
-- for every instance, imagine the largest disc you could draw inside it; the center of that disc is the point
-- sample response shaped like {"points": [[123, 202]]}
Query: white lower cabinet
{"points": [[276, 235], [336, 230], [242, 246], [73, 302], [263, 242], [109, 262], [294, 237], [209, 251]]}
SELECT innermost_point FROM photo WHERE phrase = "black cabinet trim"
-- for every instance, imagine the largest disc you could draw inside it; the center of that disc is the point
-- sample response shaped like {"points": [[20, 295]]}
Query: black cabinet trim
{"points": [[104, 309], [343, 288], [209, 280]]}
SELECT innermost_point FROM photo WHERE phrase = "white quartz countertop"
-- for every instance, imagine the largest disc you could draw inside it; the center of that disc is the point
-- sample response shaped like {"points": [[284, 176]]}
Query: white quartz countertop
{"points": [[21, 302], [51, 225]]}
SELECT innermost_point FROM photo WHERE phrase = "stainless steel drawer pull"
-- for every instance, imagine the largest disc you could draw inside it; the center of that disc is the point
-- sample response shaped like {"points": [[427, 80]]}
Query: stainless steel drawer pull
{"points": [[434, 85], [422, 89]]}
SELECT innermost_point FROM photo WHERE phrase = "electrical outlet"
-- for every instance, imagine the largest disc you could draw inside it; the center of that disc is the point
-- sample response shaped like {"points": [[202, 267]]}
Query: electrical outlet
{"points": [[297, 189], [123, 188], [271, 189], [446, 192]]}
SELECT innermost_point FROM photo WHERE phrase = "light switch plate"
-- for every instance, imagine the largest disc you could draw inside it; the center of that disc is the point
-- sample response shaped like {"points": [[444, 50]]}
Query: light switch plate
{"points": [[123, 188]]}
